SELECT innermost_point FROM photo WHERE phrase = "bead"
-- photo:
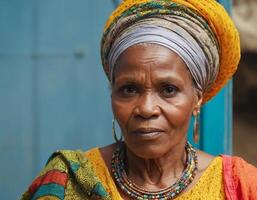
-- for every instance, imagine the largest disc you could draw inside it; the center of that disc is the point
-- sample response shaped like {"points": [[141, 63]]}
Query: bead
{"points": [[134, 191]]}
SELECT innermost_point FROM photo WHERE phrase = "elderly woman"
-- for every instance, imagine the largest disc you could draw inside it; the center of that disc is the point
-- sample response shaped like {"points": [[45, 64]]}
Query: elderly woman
{"points": [[164, 59]]}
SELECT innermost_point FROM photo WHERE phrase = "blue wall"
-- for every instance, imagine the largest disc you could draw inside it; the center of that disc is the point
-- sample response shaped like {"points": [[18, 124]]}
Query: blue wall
{"points": [[54, 94]]}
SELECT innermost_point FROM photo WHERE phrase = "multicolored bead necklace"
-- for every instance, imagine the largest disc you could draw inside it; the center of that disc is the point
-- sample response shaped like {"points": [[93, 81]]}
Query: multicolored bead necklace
{"points": [[134, 191]]}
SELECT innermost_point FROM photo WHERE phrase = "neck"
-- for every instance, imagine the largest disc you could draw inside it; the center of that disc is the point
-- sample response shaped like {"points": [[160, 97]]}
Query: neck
{"points": [[157, 173]]}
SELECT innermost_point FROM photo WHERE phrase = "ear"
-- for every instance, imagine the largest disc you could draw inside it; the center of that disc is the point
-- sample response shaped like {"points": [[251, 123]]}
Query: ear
{"points": [[198, 104]]}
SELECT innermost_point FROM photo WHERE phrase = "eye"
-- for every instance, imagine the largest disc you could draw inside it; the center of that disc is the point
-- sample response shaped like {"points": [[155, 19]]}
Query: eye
{"points": [[129, 90], [169, 90]]}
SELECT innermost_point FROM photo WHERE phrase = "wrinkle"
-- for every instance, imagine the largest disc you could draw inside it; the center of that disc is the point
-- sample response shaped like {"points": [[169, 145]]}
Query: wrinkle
{"points": [[153, 173]]}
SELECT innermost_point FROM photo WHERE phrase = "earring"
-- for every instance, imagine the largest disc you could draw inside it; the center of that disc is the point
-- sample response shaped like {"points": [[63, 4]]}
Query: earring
{"points": [[114, 132], [196, 127]]}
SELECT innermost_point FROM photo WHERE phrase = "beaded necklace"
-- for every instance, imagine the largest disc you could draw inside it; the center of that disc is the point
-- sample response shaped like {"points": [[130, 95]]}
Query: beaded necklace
{"points": [[134, 191]]}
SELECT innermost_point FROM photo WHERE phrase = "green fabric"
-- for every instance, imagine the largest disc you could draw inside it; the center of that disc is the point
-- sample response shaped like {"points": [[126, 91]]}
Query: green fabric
{"points": [[82, 181], [44, 191]]}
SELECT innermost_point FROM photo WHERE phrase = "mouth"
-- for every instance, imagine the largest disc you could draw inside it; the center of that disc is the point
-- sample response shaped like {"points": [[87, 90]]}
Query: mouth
{"points": [[147, 131]]}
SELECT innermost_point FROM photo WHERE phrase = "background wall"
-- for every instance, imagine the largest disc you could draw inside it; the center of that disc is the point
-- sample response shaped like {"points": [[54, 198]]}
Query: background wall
{"points": [[54, 94]]}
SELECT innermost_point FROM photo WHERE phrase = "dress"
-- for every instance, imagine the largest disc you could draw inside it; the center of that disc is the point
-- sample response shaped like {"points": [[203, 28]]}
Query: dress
{"points": [[74, 175]]}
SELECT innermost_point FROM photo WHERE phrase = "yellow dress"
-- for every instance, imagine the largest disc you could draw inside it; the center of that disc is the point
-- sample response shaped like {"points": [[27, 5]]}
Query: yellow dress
{"points": [[209, 187]]}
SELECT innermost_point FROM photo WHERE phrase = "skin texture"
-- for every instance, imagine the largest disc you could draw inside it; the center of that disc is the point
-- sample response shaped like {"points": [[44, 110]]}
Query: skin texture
{"points": [[153, 99]]}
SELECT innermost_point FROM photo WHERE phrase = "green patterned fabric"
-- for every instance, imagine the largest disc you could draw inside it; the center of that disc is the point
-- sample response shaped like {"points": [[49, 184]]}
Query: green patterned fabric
{"points": [[74, 179]]}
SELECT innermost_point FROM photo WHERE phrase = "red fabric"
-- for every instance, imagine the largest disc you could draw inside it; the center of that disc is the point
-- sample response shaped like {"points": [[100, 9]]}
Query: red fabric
{"points": [[53, 176], [240, 179]]}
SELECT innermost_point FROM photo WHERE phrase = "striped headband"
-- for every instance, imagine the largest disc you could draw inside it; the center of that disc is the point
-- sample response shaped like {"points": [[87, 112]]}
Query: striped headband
{"points": [[203, 68]]}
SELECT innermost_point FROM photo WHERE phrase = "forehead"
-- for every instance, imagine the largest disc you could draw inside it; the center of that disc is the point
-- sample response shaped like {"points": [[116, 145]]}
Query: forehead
{"points": [[150, 58]]}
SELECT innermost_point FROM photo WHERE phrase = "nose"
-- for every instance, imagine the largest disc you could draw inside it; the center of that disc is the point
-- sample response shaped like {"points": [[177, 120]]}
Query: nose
{"points": [[147, 107]]}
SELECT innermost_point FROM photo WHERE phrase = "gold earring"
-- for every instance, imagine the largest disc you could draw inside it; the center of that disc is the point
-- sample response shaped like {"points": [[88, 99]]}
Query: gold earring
{"points": [[196, 127], [114, 132]]}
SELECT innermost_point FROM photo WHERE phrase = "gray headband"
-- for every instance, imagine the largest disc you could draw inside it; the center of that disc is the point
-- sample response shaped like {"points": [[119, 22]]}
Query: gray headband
{"points": [[202, 66]]}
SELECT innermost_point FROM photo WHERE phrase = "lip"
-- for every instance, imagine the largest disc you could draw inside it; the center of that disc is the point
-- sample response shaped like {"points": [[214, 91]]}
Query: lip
{"points": [[147, 131]]}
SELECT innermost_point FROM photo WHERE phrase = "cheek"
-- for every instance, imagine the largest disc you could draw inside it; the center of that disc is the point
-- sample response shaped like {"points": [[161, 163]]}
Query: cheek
{"points": [[178, 113], [122, 113]]}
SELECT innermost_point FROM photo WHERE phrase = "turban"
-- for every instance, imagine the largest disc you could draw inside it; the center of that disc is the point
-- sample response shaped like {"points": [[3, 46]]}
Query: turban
{"points": [[199, 31]]}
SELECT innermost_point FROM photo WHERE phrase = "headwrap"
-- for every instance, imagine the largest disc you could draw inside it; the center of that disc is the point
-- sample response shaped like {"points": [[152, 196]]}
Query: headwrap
{"points": [[188, 38], [185, 27]]}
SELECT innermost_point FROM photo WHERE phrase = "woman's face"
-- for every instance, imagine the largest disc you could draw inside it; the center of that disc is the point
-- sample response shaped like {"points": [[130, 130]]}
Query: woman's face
{"points": [[153, 98]]}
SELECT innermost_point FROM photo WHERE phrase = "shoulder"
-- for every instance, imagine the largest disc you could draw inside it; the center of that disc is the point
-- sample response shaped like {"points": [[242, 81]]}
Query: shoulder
{"points": [[238, 165], [204, 160], [65, 170], [240, 177], [52, 180]]}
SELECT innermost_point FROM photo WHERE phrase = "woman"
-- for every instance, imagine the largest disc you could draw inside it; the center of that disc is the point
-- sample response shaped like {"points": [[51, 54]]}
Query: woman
{"points": [[164, 59]]}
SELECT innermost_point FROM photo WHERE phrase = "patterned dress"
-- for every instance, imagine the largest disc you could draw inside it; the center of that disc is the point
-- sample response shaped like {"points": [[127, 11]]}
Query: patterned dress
{"points": [[75, 175]]}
